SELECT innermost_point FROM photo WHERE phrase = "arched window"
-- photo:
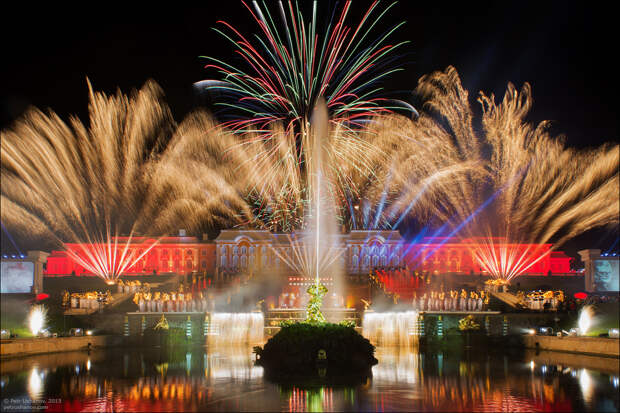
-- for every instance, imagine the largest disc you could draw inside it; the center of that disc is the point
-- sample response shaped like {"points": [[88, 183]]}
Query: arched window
{"points": [[356, 250], [223, 261], [251, 250], [223, 249], [355, 261], [244, 250], [375, 261], [366, 260], [235, 250], [235, 261], [244, 261]]}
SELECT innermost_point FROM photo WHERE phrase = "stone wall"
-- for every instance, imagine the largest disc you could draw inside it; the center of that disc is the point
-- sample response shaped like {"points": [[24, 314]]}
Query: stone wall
{"points": [[27, 346], [586, 345]]}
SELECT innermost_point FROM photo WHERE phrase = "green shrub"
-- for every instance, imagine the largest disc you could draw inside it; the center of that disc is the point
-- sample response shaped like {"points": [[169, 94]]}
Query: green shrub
{"points": [[296, 346]]}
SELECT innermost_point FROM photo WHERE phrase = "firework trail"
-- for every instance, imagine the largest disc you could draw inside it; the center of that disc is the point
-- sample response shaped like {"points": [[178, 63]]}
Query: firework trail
{"points": [[61, 180], [64, 183], [534, 189]]}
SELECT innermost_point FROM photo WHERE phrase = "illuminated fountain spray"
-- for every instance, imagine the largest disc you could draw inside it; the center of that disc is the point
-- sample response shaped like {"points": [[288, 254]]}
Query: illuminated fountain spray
{"points": [[315, 252], [236, 329], [36, 319], [319, 131], [390, 328], [585, 319]]}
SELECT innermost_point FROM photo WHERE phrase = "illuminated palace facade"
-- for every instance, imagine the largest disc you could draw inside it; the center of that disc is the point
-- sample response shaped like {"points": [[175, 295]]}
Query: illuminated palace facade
{"points": [[243, 251]]}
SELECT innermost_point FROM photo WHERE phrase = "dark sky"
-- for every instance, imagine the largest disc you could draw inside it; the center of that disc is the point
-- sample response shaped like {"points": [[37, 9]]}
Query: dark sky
{"points": [[564, 50]]}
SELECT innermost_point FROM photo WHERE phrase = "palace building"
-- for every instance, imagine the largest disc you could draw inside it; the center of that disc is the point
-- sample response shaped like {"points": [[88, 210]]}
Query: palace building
{"points": [[239, 251]]}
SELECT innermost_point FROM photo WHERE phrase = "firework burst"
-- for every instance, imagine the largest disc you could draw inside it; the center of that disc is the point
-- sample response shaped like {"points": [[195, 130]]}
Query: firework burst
{"points": [[294, 63], [528, 187]]}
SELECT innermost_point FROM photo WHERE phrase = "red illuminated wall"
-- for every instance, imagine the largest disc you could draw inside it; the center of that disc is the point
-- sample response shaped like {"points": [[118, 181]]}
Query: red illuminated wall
{"points": [[183, 255], [180, 255], [444, 256]]}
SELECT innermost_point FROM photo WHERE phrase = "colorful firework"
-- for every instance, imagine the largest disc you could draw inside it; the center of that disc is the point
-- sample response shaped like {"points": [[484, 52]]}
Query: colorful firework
{"points": [[295, 63]]}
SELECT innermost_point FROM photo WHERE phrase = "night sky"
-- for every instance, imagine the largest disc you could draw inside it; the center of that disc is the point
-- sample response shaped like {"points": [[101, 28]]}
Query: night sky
{"points": [[564, 50]]}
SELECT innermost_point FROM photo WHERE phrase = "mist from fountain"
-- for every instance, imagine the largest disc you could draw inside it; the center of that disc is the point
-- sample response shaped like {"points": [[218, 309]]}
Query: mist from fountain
{"points": [[236, 329], [390, 328]]}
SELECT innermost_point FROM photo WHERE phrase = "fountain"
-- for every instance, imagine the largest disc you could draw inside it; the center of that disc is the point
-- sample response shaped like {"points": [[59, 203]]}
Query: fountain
{"points": [[236, 328], [304, 349], [390, 328]]}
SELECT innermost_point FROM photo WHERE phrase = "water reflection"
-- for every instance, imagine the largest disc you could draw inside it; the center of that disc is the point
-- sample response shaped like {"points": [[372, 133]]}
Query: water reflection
{"points": [[225, 379]]}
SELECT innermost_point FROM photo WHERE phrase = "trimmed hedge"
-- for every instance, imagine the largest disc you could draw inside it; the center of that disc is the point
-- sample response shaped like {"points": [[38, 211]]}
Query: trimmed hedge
{"points": [[296, 346]]}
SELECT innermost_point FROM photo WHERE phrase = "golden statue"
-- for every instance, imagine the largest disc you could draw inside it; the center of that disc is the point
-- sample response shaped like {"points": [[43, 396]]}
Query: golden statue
{"points": [[65, 298], [162, 324]]}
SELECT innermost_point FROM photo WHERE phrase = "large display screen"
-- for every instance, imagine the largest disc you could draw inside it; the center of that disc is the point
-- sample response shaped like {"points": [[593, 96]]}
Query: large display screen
{"points": [[606, 275], [16, 277]]}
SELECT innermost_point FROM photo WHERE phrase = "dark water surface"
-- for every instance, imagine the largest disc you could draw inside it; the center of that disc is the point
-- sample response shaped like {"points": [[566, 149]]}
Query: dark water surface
{"points": [[225, 379]]}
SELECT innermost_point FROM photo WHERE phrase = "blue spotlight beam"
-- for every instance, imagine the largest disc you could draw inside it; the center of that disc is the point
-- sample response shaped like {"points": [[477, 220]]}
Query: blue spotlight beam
{"points": [[11, 238]]}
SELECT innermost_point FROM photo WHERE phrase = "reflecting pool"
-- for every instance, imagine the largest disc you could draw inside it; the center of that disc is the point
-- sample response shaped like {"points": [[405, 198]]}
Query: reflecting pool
{"points": [[225, 379]]}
